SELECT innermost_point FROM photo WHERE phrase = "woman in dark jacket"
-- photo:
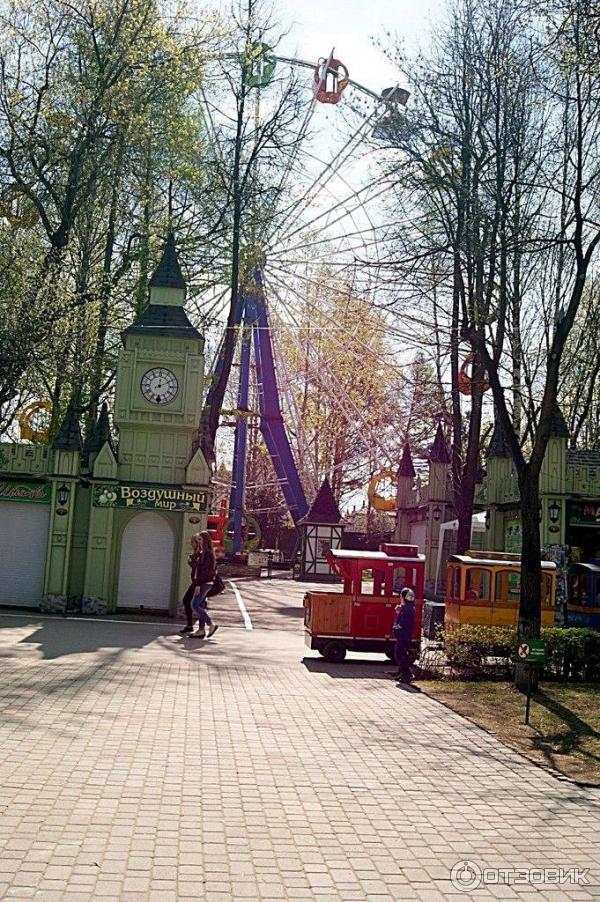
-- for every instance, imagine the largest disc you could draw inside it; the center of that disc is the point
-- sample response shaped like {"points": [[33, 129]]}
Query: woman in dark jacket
{"points": [[204, 570], [204, 567]]}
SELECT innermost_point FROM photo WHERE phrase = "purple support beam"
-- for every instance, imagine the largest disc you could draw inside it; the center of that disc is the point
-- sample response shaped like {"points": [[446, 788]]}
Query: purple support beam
{"points": [[271, 422], [240, 445]]}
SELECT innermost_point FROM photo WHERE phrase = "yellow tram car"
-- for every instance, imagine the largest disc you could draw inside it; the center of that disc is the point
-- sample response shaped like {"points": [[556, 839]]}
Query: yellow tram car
{"points": [[483, 587]]}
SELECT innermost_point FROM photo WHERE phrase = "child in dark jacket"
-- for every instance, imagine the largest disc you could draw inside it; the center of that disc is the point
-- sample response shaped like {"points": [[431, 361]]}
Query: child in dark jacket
{"points": [[403, 631]]}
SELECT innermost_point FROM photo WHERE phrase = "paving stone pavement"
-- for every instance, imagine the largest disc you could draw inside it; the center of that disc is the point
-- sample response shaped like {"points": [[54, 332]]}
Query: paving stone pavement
{"points": [[137, 765]]}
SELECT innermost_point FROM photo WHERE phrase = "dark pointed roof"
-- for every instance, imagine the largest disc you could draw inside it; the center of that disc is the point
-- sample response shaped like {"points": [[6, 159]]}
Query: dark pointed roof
{"points": [[559, 428], [100, 431], [163, 319], [324, 508], [439, 453], [168, 272], [406, 465], [169, 320], [69, 434], [498, 444]]}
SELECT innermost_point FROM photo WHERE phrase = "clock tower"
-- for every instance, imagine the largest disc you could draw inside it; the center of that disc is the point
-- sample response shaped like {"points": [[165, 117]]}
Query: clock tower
{"points": [[148, 499], [159, 383]]}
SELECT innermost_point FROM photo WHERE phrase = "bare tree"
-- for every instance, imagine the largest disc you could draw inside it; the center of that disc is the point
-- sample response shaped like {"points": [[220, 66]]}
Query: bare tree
{"points": [[468, 148], [250, 150]]}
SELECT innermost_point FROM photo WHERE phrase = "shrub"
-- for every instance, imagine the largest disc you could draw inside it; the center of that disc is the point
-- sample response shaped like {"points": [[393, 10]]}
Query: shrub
{"points": [[571, 653], [470, 648]]}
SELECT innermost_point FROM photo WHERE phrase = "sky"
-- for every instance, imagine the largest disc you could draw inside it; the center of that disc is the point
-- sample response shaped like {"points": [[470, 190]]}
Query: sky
{"points": [[350, 26]]}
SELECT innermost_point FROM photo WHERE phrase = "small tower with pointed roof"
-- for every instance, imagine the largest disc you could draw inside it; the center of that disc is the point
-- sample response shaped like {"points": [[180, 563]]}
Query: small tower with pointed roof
{"points": [[321, 529], [501, 487], [439, 502], [553, 482], [64, 477], [405, 497]]}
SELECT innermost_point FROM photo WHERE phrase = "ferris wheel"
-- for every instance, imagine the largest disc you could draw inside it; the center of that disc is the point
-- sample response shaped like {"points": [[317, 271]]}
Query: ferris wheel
{"points": [[299, 143]]}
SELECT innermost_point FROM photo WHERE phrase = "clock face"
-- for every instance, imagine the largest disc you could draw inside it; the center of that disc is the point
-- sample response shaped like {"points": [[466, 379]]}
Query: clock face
{"points": [[159, 385]]}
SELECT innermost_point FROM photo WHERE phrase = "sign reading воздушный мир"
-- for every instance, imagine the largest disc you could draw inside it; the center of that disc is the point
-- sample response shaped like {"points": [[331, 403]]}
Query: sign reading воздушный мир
{"points": [[149, 497], [28, 492]]}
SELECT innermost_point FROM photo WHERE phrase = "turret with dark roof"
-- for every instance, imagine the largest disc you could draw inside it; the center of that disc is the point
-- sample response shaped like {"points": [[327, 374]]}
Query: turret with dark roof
{"points": [[324, 508], [69, 434], [439, 453], [406, 467], [498, 444], [100, 432], [168, 272], [559, 428]]}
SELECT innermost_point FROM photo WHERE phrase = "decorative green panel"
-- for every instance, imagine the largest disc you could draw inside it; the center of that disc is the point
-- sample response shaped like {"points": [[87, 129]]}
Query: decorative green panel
{"points": [[26, 491]]}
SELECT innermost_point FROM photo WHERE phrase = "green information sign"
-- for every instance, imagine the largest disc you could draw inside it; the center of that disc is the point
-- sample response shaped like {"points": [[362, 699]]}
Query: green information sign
{"points": [[149, 497], [27, 492], [531, 651]]}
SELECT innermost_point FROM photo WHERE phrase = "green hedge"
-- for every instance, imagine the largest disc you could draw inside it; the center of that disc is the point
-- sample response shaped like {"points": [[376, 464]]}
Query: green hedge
{"points": [[483, 650]]}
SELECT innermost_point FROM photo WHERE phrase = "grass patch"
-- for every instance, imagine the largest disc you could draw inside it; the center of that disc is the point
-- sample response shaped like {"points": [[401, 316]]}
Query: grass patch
{"points": [[564, 723]]}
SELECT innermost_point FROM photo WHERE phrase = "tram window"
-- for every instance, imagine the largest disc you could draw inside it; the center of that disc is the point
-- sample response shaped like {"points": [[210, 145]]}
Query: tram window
{"points": [[579, 593], [478, 584], [399, 579], [508, 585]]}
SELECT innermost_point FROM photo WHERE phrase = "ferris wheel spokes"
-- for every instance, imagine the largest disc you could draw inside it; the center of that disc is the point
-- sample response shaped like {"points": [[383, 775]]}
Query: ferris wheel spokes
{"points": [[333, 166], [343, 397]]}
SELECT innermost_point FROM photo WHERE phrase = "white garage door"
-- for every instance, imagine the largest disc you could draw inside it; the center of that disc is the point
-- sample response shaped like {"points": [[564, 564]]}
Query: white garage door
{"points": [[146, 566], [23, 539]]}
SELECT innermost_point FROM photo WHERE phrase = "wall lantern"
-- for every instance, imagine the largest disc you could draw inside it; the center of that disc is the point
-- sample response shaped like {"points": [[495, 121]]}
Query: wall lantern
{"points": [[62, 494], [436, 513], [554, 512], [487, 519]]}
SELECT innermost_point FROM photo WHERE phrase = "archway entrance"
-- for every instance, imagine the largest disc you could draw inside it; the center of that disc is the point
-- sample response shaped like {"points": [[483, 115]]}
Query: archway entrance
{"points": [[146, 565]]}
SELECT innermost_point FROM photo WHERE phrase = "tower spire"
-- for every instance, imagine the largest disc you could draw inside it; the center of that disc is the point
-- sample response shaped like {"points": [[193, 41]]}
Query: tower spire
{"points": [[168, 272]]}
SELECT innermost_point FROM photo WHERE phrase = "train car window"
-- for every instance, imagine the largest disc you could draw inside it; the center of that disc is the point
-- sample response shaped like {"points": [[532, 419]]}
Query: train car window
{"points": [[478, 584], [399, 579], [508, 585]]}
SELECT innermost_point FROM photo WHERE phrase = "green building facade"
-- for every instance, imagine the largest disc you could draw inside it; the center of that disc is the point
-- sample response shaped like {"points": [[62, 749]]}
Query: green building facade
{"points": [[99, 528], [569, 506]]}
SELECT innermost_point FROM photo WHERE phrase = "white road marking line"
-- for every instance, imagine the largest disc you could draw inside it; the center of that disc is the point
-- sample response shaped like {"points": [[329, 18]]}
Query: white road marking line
{"points": [[242, 606]]}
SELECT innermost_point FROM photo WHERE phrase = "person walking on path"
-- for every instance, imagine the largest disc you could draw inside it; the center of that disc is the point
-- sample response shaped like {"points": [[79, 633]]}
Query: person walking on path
{"points": [[204, 567], [403, 630], [203, 575], [193, 561]]}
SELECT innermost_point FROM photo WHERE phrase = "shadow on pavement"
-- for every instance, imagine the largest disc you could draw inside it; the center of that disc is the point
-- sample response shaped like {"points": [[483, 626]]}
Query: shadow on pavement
{"points": [[57, 637], [351, 670], [55, 641], [291, 612]]}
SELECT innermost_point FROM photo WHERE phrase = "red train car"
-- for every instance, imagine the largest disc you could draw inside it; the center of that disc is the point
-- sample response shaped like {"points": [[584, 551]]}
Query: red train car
{"points": [[357, 619]]}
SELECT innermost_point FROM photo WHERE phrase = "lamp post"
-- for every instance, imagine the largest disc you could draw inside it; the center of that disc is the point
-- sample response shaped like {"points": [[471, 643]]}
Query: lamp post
{"points": [[436, 513], [554, 512], [62, 494]]}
